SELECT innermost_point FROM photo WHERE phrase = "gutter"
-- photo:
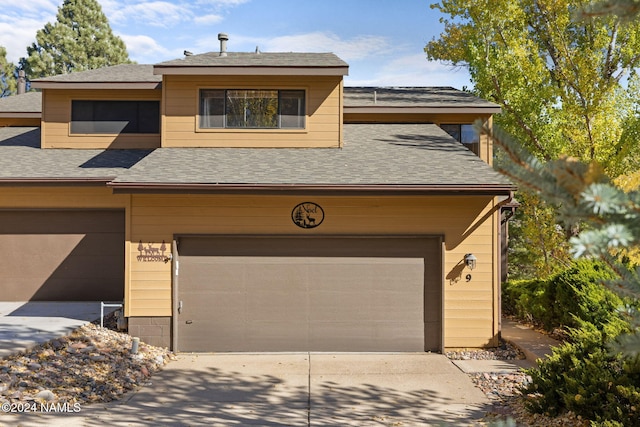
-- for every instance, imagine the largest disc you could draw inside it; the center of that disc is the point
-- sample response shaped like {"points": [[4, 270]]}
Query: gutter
{"points": [[375, 189], [52, 182]]}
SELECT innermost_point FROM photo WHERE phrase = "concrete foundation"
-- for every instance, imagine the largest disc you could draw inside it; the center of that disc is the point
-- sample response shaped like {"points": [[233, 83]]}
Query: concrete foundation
{"points": [[151, 330]]}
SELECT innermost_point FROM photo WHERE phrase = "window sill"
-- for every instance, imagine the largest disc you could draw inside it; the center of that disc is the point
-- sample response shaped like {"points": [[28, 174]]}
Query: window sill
{"points": [[255, 131]]}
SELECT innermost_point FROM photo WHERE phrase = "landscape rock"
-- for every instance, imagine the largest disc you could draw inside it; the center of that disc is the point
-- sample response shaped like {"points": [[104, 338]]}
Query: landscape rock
{"points": [[46, 395], [91, 365]]}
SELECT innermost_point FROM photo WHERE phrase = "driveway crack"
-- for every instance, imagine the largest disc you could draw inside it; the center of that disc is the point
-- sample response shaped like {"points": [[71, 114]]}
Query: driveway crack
{"points": [[309, 391]]}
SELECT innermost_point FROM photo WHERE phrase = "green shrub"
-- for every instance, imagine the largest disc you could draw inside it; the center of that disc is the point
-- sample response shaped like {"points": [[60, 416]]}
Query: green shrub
{"points": [[578, 294], [584, 377], [524, 299], [562, 300]]}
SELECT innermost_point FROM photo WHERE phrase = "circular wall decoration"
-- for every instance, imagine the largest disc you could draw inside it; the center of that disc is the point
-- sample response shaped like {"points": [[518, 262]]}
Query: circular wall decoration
{"points": [[307, 215]]}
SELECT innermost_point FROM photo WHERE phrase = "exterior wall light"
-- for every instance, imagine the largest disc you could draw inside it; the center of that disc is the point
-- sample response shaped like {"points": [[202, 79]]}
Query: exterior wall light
{"points": [[470, 261]]}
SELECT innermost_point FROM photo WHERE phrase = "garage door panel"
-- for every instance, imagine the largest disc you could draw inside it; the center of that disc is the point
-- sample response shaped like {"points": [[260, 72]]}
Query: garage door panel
{"points": [[62, 255], [283, 275], [275, 335], [308, 294], [281, 306], [378, 336], [223, 307]]}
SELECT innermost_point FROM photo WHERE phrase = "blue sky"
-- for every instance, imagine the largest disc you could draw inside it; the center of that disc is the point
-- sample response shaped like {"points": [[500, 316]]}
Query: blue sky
{"points": [[382, 40]]}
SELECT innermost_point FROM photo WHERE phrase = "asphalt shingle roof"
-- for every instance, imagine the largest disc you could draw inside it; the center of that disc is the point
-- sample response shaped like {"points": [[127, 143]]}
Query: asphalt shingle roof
{"points": [[376, 154], [123, 73], [22, 157], [267, 59], [30, 102], [411, 97]]}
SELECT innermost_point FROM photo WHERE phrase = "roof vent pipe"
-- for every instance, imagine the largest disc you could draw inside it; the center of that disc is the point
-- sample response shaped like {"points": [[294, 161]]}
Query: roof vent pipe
{"points": [[22, 82], [223, 37]]}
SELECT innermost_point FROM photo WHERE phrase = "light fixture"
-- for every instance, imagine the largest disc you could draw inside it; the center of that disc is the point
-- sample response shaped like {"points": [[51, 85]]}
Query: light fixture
{"points": [[470, 261]]}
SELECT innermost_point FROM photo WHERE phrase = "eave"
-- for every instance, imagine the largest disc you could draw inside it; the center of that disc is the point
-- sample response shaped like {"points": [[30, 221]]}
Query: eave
{"points": [[250, 71], [366, 189], [422, 110], [96, 85], [19, 115], [52, 182]]}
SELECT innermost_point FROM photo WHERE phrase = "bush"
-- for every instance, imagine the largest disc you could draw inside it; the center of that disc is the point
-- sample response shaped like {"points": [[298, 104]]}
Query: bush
{"points": [[524, 299], [573, 295], [578, 294], [583, 376]]}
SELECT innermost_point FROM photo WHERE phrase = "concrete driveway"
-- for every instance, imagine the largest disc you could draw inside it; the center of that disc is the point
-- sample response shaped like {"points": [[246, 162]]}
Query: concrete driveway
{"points": [[301, 389]]}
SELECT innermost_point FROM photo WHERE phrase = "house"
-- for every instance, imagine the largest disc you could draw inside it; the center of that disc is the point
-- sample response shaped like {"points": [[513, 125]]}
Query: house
{"points": [[251, 202]]}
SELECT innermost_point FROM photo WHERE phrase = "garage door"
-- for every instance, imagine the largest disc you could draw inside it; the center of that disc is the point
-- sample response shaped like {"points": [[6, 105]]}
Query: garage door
{"points": [[62, 255], [308, 294]]}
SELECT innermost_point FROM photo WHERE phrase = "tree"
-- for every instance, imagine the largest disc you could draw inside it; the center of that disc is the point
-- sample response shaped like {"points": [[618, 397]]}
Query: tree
{"points": [[559, 80], [8, 83], [566, 86], [81, 39]]}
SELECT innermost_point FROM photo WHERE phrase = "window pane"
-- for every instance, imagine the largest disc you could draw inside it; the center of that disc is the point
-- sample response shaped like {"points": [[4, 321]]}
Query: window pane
{"points": [[468, 135], [82, 117], [114, 117], [453, 130], [292, 109], [212, 108], [148, 117], [252, 109], [470, 138]]}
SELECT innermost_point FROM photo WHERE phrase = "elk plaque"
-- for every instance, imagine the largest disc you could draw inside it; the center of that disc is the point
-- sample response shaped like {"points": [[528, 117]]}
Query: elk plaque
{"points": [[307, 215]]}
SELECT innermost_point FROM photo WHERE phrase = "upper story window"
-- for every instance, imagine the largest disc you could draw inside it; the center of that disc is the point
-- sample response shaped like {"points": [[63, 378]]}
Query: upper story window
{"points": [[115, 117], [252, 109], [465, 134]]}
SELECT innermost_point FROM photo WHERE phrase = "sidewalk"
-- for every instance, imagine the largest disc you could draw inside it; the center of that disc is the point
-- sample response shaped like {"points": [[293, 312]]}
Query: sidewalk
{"points": [[534, 345]]}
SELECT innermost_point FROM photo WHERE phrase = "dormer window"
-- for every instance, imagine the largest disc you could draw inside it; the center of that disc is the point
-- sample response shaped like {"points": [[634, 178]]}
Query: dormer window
{"points": [[115, 117], [252, 109], [465, 134]]}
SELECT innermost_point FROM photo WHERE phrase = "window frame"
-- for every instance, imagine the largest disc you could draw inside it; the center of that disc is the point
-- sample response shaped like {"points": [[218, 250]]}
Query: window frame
{"points": [[138, 121], [303, 118], [474, 146]]}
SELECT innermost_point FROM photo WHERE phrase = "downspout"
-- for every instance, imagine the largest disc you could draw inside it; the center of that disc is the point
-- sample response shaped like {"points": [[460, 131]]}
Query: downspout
{"points": [[499, 206]]}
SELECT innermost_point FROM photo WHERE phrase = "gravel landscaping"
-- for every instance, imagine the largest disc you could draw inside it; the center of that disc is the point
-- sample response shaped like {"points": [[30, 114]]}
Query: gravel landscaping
{"points": [[504, 391], [93, 364]]}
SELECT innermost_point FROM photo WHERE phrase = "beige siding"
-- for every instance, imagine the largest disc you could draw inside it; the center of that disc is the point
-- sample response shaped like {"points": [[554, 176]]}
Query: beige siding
{"points": [[470, 312], [57, 117], [181, 102]]}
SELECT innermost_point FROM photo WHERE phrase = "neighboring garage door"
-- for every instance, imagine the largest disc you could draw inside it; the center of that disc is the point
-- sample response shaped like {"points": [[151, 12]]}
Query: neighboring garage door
{"points": [[62, 255], [309, 294]]}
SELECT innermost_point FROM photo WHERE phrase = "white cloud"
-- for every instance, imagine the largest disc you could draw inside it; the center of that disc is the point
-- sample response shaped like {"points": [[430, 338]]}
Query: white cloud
{"points": [[144, 49], [32, 6], [409, 70], [208, 19], [347, 49], [155, 13], [17, 34], [222, 3]]}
